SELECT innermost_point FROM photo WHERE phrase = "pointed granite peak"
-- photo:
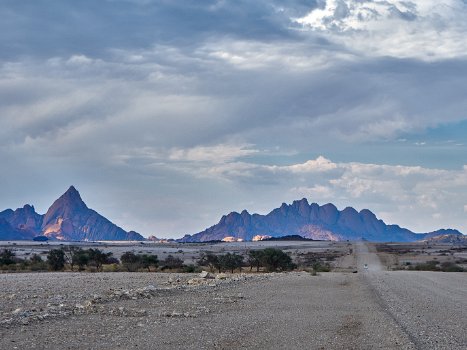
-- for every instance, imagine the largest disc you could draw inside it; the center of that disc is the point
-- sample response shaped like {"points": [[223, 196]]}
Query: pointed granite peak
{"points": [[70, 199], [73, 198], [73, 195], [68, 205], [72, 191]]}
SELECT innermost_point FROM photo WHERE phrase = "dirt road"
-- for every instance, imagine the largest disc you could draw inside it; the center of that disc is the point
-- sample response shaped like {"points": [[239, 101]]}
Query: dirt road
{"points": [[430, 307], [372, 309]]}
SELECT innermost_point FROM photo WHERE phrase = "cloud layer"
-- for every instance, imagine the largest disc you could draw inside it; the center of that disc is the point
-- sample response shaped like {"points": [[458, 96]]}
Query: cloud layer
{"points": [[168, 114]]}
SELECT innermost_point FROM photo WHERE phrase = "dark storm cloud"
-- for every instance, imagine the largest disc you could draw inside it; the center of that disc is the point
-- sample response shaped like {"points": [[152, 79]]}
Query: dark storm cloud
{"points": [[62, 27]]}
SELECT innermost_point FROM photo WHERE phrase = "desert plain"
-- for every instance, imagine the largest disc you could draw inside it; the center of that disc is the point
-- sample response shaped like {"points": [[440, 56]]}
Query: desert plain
{"points": [[368, 301]]}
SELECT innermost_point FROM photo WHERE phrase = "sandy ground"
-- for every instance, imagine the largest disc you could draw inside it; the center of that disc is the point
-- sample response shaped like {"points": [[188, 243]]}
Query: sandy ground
{"points": [[372, 309]]}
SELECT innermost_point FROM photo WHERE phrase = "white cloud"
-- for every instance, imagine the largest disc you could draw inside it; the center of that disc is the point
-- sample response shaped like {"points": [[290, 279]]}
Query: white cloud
{"points": [[215, 154], [465, 208], [317, 191], [428, 29], [319, 164], [79, 60]]}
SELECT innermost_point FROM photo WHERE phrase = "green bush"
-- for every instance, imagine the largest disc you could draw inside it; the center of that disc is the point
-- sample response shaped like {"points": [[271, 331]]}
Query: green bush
{"points": [[318, 267], [171, 262], [133, 262], [56, 259], [433, 265], [451, 267], [230, 261], [7, 257], [274, 259], [191, 269]]}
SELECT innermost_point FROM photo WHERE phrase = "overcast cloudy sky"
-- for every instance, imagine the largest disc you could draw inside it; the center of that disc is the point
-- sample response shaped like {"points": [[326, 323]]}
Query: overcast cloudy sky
{"points": [[167, 114]]}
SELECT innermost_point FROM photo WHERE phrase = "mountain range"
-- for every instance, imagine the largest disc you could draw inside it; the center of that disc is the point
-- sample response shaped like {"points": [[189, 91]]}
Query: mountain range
{"points": [[68, 219], [311, 221]]}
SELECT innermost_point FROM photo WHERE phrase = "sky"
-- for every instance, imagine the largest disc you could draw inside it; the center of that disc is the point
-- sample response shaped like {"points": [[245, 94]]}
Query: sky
{"points": [[168, 114]]}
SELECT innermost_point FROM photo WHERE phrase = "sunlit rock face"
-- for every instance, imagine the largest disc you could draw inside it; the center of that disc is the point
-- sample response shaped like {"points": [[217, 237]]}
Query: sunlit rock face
{"points": [[231, 239], [258, 238]]}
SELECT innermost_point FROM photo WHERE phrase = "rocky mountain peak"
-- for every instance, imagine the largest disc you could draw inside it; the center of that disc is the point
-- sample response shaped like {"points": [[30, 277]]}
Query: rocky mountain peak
{"points": [[29, 208], [67, 205], [72, 196]]}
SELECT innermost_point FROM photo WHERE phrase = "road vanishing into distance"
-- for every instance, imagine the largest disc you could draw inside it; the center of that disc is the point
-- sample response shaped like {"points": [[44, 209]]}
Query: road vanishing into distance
{"points": [[371, 309], [430, 308]]}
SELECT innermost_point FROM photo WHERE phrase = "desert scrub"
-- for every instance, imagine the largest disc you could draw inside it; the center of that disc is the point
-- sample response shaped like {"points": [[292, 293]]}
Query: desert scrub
{"points": [[434, 265]]}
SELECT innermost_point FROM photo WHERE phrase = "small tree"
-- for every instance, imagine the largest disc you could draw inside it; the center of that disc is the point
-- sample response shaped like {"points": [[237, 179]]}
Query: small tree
{"points": [[56, 259], [80, 257], [230, 261], [274, 259], [36, 259], [171, 262], [7, 257], [130, 261], [69, 251], [98, 258], [146, 261], [36, 263], [254, 259], [210, 260]]}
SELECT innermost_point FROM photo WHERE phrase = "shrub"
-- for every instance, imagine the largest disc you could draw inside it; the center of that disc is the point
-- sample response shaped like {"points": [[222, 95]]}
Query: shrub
{"points": [[254, 259], [191, 269], [230, 261], [451, 267], [133, 262], [7, 257], [130, 261], [274, 259], [146, 261], [210, 260], [318, 267], [56, 259], [171, 262], [446, 266]]}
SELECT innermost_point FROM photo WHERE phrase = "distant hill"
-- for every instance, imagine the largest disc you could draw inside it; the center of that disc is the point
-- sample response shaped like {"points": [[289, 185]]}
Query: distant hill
{"points": [[68, 218], [448, 239], [310, 221]]}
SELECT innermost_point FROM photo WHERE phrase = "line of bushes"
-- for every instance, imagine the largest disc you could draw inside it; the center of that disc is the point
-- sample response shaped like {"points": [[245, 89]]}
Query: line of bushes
{"points": [[77, 259]]}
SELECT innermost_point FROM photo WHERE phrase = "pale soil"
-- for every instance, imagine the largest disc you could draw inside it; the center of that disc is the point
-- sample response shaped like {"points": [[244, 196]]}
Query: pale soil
{"points": [[372, 309]]}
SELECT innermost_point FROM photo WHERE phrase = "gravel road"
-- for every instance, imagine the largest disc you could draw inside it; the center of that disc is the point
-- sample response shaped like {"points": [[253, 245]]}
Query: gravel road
{"points": [[372, 309]]}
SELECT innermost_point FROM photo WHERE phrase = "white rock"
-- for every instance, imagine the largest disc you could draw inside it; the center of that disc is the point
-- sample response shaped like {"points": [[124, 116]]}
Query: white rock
{"points": [[205, 274]]}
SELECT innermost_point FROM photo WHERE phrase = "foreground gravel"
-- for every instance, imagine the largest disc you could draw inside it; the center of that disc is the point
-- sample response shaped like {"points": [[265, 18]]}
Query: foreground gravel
{"points": [[372, 309], [161, 311]]}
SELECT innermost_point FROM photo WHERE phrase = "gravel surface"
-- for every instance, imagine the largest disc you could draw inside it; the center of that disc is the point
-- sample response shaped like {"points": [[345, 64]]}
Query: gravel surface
{"points": [[372, 309]]}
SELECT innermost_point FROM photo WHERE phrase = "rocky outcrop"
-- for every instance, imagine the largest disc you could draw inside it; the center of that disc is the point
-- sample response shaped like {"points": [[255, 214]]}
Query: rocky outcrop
{"points": [[454, 239], [68, 218], [307, 220]]}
